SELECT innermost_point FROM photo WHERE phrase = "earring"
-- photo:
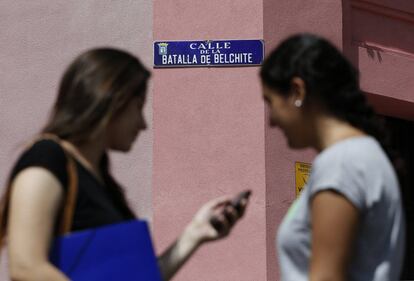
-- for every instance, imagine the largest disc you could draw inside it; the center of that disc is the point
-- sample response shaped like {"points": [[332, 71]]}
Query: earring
{"points": [[298, 103]]}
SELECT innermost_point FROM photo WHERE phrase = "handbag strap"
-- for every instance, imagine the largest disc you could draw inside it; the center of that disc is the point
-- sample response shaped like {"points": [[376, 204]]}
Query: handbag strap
{"points": [[71, 195], [69, 203]]}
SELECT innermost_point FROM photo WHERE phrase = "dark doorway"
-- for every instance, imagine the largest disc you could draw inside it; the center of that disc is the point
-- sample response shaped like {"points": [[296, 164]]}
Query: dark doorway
{"points": [[402, 141]]}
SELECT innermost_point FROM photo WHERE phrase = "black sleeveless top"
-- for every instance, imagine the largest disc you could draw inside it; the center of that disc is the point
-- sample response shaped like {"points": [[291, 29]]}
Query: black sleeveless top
{"points": [[95, 204]]}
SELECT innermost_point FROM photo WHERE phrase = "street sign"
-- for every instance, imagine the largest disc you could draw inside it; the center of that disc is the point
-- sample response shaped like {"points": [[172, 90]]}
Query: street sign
{"points": [[208, 53]]}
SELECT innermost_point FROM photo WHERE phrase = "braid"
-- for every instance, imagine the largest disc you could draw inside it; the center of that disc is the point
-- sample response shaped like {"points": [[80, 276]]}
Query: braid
{"points": [[356, 111], [362, 116]]}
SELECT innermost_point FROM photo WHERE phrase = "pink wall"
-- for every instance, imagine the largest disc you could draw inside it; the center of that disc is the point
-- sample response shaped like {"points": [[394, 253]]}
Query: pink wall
{"points": [[209, 138], [379, 39], [38, 40], [281, 19]]}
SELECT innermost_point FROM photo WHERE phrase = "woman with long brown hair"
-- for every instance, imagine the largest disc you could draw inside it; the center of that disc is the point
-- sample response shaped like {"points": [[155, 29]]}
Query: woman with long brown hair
{"points": [[99, 108]]}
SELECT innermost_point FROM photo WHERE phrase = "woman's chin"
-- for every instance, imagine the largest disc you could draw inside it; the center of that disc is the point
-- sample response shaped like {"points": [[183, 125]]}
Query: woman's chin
{"points": [[124, 147]]}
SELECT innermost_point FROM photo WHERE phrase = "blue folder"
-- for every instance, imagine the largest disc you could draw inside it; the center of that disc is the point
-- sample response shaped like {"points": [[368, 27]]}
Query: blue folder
{"points": [[121, 251]]}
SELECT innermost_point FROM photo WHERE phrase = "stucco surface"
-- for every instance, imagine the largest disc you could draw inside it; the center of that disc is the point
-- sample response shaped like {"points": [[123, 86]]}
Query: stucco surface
{"points": [[209, 138], [38, 41], [379, 41]]}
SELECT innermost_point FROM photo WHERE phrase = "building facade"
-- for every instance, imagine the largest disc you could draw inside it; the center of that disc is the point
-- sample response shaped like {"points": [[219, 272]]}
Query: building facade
{"points": [[208, 133]]}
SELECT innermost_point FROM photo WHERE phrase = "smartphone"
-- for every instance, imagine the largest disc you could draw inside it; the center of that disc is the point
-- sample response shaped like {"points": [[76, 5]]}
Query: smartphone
{"points": [[236, 203]]}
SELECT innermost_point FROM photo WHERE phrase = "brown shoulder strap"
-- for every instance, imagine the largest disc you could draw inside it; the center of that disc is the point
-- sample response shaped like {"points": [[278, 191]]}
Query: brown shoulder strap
{"points": [[69, 203], [68, 207], [70, 198]]}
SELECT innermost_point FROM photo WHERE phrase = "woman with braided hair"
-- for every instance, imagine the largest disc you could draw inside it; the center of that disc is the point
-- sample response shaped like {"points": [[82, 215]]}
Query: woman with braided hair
{"points": [[348, 223]]}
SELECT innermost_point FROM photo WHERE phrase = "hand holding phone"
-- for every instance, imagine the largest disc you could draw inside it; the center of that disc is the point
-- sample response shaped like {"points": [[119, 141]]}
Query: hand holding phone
{"points": [[236, 203]]}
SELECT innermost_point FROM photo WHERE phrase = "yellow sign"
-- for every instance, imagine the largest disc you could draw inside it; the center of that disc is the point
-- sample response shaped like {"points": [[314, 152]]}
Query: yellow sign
{"points": [[302, 172]]}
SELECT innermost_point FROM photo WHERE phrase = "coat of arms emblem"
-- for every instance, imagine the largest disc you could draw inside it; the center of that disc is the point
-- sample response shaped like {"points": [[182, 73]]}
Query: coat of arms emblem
{"points": [[162, 48]]}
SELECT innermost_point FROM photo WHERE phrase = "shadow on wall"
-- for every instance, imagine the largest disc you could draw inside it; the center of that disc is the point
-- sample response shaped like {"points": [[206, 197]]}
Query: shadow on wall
{"points": [[373, 52]]}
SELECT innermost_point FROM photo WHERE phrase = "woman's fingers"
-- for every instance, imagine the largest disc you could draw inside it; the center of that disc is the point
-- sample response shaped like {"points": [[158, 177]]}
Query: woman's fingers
{"points": [[217, 217], [225, 219], [215, 203], [242, 208], [220, 224], [231, 214]]}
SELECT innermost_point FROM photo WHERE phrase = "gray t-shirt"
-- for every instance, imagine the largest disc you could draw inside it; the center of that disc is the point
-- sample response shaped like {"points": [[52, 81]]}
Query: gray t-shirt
{"points": [[358, 169]]}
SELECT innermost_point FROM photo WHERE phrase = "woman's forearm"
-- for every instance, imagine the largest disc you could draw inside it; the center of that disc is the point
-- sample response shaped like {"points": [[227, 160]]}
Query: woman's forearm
{"points": [[36, 272], [199, 231], [178, 253]]}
